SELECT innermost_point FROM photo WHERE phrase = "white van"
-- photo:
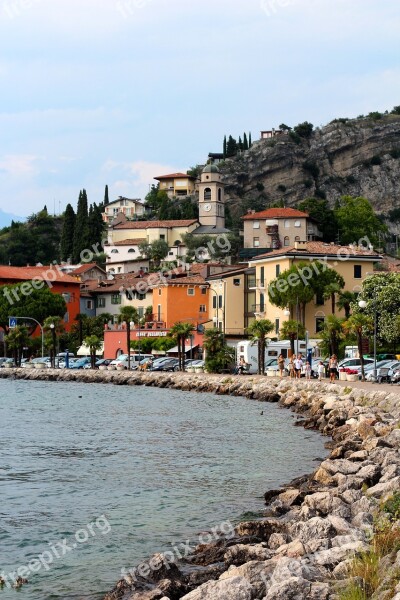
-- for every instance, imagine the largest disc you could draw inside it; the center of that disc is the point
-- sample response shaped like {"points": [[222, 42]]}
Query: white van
{"points": [[248, 350]]}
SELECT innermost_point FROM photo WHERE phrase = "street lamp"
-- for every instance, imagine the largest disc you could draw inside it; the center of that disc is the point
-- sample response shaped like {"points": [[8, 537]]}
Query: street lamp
{"points": [[364, 304], [53, 355]]}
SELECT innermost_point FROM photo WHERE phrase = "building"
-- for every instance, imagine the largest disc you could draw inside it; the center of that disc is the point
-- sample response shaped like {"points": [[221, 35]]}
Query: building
{"points": [[270, 133], [211, 201], [177, 185], [131, 208], [57, 281], [215, 157], [353, 263], [276, 228], [88, 271]]}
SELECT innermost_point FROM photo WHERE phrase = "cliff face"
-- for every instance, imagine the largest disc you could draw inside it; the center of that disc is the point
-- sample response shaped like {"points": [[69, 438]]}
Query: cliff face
{"points": [[359, 157]]}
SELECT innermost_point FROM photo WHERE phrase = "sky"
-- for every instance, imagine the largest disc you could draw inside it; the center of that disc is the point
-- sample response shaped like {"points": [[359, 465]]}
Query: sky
{"points": [[116, 92]]}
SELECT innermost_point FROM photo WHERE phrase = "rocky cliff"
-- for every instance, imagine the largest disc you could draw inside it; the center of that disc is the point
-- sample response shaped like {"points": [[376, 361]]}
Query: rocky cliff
{"points": [[359, 157]]}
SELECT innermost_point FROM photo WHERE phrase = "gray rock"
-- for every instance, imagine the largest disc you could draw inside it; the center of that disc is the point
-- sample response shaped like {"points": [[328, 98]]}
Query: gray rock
{"points": [[257, 573], [315, 528], [389, 473], [276, 540], [333, 556], [243, 553], [382, 489], [234, 588], [294, 588]]}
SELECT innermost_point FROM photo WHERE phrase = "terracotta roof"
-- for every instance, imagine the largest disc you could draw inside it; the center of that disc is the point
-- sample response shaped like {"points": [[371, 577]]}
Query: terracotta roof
{"points": [[275, 213], [134, 200], [85, 268], [188, 280], [47, 273], [321, 249], [155, 224], [129, 242], [175, 176]]}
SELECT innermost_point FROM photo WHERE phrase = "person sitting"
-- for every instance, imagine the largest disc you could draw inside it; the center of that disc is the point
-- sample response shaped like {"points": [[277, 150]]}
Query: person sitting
{"points": [[241, 367]]}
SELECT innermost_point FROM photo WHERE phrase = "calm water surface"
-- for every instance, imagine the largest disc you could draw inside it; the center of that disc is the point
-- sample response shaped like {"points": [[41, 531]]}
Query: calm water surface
{"points": [[161, 465]]}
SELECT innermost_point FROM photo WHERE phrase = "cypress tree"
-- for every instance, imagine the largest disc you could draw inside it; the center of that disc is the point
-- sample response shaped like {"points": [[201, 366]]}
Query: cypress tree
{"points": [[95, 225], [231, 147], [250, 142], [106, 199], [67, 235], [245, 142], [81, 234], [224, 148], [240, 144]]}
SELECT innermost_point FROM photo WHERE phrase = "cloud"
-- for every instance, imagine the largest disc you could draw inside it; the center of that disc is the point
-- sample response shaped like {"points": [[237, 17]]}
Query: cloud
{"points": [[19, 166]]}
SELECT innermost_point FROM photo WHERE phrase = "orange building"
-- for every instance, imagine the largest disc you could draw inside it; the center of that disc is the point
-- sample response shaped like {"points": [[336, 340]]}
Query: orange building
{"points": [[181, 299], [57, 281]]}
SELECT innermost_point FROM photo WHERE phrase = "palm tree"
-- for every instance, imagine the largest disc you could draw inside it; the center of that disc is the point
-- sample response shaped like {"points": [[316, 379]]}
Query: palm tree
{"points": [[94, 343], [16, 340], [180, 331], [359, 325], [128, 314], [219, 355], [292, 330], [332, 333], [330, 292], [259, 331], [345, 300]]}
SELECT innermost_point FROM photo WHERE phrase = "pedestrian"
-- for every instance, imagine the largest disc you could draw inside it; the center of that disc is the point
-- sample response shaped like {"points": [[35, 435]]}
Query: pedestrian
{"points": [[333, 368], [308, 371], [240, 367], [281, 364], [291, 367], [321, 371], [298, 365]]}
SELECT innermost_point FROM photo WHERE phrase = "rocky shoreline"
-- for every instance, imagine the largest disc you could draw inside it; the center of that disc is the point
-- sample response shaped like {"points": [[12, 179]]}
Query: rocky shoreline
{"points": [[303, 546]]}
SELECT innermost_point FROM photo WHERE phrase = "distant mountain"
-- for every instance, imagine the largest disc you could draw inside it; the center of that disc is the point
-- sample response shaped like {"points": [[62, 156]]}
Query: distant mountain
{"points": [[6, 218]]}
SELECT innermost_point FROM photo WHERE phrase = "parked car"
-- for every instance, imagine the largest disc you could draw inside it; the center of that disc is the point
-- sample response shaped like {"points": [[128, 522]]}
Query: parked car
{"points": [[385, 371], [353, 362], [9, 362], [3, 360], [122, 361], [170, 364], [370, 367], [80, 363]]}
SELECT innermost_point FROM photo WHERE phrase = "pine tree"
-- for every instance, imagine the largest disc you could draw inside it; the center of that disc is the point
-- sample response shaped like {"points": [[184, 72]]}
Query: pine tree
{"points": [[240, 144], [67, 235], [245, 142], [81, 234], [224, 150], [250, 142], [231, 147], [106, 199]]}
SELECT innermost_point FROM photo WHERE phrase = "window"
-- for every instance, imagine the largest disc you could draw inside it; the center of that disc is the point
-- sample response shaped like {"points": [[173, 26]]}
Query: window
{"points": [[262, 302], [141, 296], [203, 308], [100, 302], [129, 294], [319, 324], [256, 242], [162, 236], [277, 270], [276, 326], [219, 301], [190, 292], [297, 238], [214, 302], [207, 194], [297, 223], [119, 269], [140, 312], [236, 282], [159, 312], [319, 298], [262, 275], [219, 195], [256, 224], [131, 250], [204, 291], [114, 251], [159, 291], [115, 299], [89, 304], [286, 240], [357, 272], [287, 224]]}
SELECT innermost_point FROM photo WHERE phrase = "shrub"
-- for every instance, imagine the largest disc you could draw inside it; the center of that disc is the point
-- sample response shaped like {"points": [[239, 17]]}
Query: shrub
{"points": [[375, 115], [260, 186], [281, 188], [311, 167], [392, 506], [295, 137], [308, 183], [304, 130], [396, 110], [320, 193]]}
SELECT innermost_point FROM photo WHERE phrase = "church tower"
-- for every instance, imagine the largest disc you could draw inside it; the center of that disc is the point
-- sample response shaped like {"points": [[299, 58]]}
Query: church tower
{"points": [[211, 198]]}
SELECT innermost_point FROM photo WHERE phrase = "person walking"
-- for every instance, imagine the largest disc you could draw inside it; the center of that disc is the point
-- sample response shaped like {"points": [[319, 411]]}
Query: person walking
{"points": [[308, 371], [291, 367], [321, 371], [298, 365], [281, 364], [333, 368]]}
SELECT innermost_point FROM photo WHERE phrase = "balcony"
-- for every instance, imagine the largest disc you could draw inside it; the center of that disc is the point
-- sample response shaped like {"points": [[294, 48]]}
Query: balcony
{"points": [[259, 311], [256, 284]]}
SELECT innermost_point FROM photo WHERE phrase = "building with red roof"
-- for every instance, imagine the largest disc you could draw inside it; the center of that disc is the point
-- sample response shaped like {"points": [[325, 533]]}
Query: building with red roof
{"points": [[177, 184]]}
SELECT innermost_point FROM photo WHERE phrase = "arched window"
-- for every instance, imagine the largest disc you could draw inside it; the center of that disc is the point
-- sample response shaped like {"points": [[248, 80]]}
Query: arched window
{"points": [[207, 194], [286, 241], [219, 195], [297, 238], [114, 251], [131, 250]]}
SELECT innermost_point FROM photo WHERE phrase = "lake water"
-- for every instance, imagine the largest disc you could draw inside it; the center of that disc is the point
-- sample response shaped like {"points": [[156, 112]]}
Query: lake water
{"points": [[122, 472]]}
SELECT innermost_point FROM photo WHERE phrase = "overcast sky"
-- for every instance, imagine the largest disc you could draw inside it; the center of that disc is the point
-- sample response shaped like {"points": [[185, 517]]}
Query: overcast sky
{"points": [[119, 91]]}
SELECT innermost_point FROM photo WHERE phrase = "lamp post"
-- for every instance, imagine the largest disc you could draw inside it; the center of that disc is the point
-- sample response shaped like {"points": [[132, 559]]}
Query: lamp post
{"points": [[53, 354], [364, 304]]}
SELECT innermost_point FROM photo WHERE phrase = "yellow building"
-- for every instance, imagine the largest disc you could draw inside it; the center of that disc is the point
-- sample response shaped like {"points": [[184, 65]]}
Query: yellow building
{"points": [[177, 184], [352, 262]]}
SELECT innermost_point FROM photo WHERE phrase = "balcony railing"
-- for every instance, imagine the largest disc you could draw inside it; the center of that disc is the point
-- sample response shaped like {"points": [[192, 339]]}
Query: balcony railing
{"points": [[256, 284]]}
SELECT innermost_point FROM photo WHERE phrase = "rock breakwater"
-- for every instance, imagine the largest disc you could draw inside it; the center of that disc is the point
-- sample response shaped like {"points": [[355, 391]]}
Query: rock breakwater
{"points": [[302, 548]]}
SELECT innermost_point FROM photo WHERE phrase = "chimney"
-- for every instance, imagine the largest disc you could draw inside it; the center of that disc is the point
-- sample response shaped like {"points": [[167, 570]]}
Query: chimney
{"points": [[300, 246]]}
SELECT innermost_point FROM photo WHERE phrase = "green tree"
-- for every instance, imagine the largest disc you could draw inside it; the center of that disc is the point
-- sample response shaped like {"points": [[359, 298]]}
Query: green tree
{"points": [[67, 235], [224, 147], [231, 147], [284, 127], [81, 233], [292, 330], [360, 326], [330, 292], [128, 314], [245, 142], [96, 227], [332, 334], [259, 330], [240, 144], [180, 331], [93, 343], [106, 200], [17, 340], [155, 251], [345, 300], [304, 130], [250, 142], [357, 221], [381, 292], [319, 210], [219, 356]]}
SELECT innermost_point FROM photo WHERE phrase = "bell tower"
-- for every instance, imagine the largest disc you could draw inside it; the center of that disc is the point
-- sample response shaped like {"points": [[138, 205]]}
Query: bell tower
{"points": [[211, 198]]}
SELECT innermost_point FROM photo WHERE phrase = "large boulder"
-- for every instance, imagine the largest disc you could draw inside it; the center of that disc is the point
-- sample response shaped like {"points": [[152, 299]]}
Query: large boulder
{"points": [[234, 588], [243, 553]]}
